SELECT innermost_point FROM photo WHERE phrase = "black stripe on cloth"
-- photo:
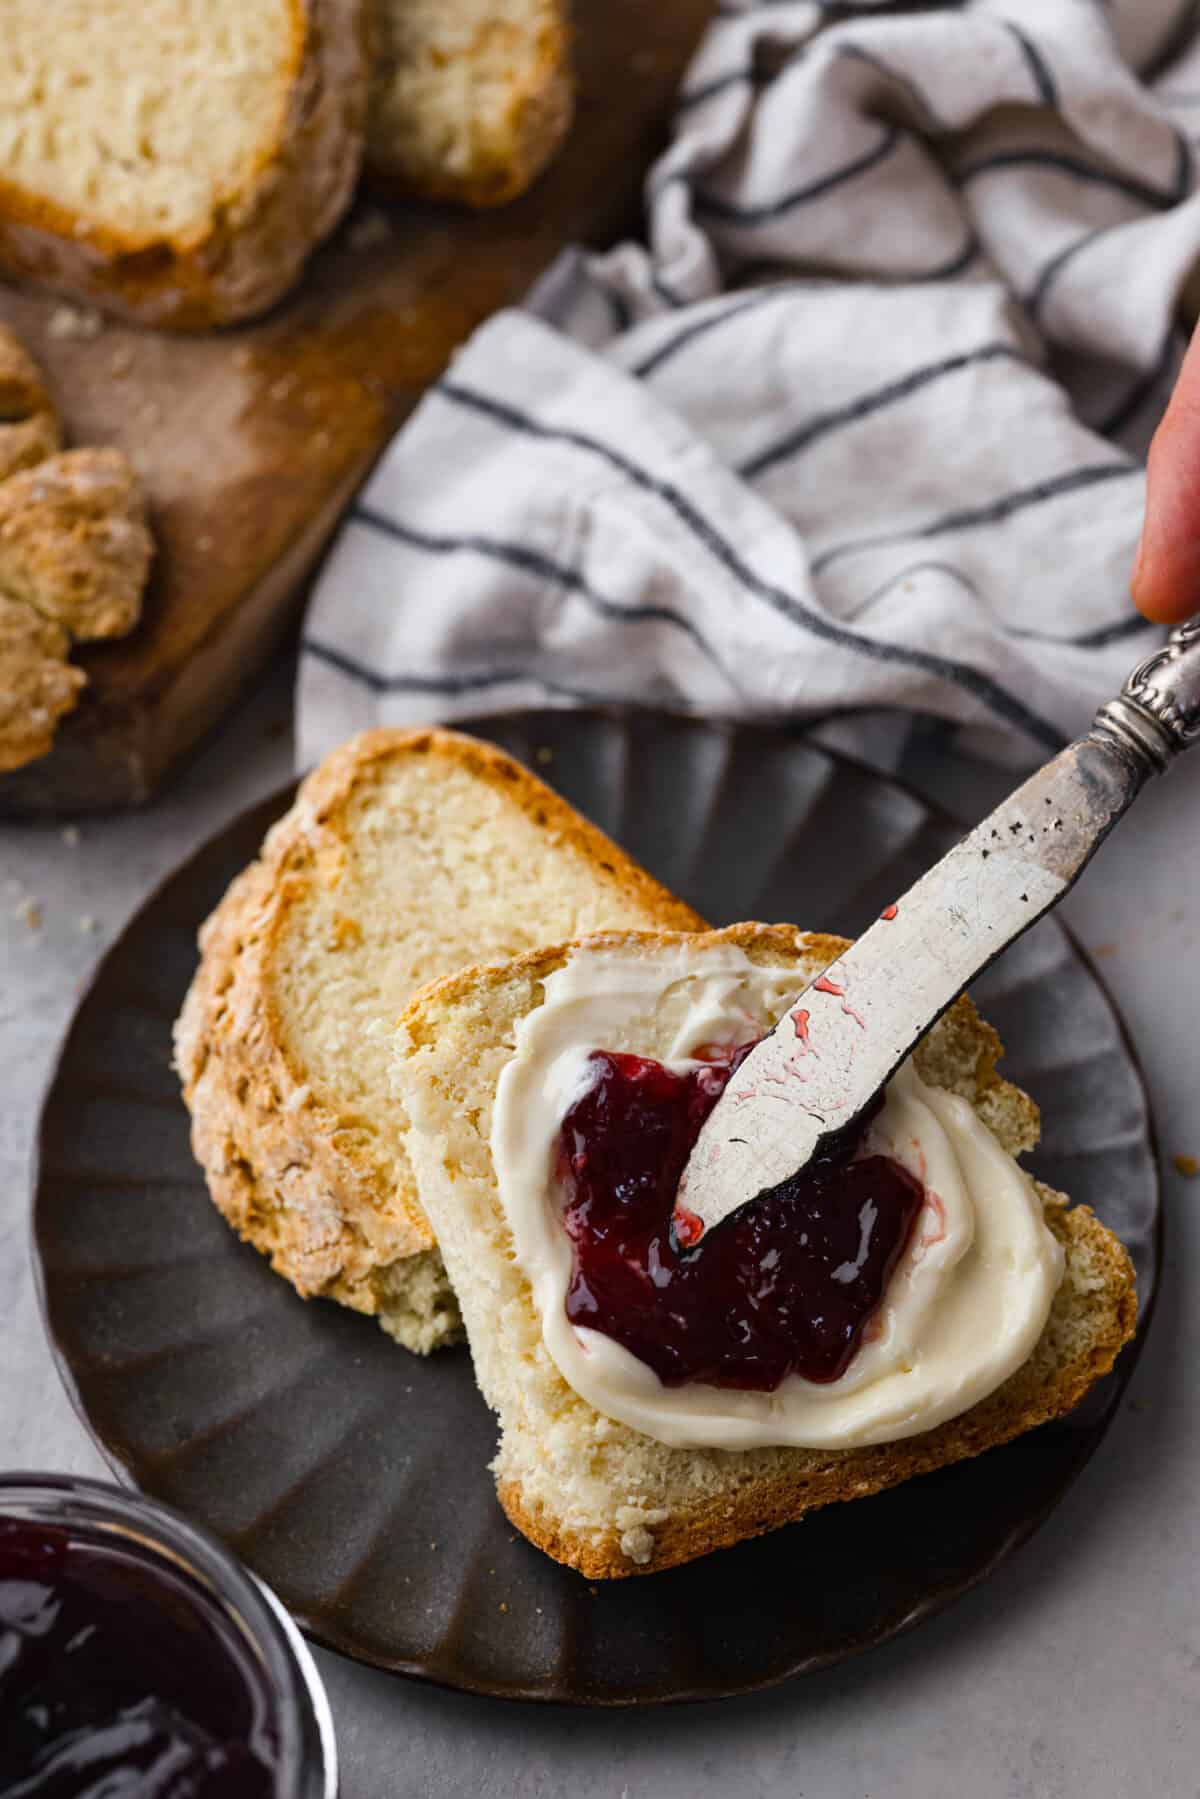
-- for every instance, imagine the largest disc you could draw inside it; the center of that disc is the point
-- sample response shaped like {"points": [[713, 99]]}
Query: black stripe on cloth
{"points": [[1061, 163], [942, 271], [700, 327], [532, 562], [986, 691], [875, 401], [1132, 624], [708, 90], [1038, 67], [1142, 390], [450, 685], [838, 11], [856, 53], [1183, 170], [618, 305], [993, 512], [1129, 625], [667, 295], [929, 567], [759, 269], [1050, 270], [1176, 40], [712, 206]]}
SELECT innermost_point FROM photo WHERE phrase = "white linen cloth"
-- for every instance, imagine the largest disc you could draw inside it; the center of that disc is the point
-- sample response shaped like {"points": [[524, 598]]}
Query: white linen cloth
{"points": [[861, 427]]}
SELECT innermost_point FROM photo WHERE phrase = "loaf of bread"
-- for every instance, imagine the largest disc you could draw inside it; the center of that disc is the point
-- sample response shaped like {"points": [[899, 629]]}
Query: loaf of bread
{"points": [[75, 551], [177, 163], [405, 855], [596, 1494], [469, 98]]}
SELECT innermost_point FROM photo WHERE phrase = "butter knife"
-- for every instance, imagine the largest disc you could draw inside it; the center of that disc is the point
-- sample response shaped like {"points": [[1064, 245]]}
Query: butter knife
{"points": [[852, 1027]]}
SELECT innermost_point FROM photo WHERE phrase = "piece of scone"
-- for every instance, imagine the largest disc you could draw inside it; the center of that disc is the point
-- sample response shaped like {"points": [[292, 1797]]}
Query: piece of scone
{"points": [[405, 855], [604, 1497], [37, 682], [29, 429], [75, 553], [74, 544], [469, 98], [177, 164]]}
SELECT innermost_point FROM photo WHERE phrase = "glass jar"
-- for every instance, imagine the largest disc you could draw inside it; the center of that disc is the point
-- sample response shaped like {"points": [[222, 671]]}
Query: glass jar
{"points": [[122, 1531]]}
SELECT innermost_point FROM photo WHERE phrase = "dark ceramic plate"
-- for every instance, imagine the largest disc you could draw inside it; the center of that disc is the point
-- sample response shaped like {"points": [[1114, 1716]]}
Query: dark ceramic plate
{"points": [[352, 1476]]}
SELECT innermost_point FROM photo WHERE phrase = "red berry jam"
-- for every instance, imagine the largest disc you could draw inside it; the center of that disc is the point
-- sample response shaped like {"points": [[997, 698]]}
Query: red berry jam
{"points": [[786, 1286], [119, 1679]]}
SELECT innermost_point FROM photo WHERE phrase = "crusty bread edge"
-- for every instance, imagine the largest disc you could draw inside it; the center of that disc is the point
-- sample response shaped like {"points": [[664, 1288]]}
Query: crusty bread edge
{"points": [[543, 118], [261, 237], [857, 1473], [247, 1107], [1020, 1404]]}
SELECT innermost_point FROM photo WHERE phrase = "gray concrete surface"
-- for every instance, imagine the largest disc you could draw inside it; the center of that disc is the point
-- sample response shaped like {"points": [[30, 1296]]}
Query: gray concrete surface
{"points": [[1075, 1671]]}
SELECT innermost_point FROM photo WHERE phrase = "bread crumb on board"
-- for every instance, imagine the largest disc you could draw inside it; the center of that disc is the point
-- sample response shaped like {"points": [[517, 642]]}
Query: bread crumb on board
{"points": [[79, 323], [1187, 1166], [369, 231]]}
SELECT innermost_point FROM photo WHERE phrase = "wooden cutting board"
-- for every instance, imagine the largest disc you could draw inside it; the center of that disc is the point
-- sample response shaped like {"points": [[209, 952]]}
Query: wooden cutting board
{"points": [[251, 441]]}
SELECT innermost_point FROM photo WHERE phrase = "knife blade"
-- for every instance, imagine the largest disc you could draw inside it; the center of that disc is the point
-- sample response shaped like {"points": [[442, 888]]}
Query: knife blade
{"points": [[852, 1027]]}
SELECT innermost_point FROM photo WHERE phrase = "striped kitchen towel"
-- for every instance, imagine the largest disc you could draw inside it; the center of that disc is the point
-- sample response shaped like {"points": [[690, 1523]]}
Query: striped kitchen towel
{"points": [[860, 426]]}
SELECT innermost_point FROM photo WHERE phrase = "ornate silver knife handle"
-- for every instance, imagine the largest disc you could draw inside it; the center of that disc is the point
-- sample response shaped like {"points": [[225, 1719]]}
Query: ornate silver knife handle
{"points": [[1157, 713], [853, 1026]]}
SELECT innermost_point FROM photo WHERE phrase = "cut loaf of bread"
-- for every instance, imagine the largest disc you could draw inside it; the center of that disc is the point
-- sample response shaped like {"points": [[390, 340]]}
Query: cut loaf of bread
{"points": [[177, 160], [469, 98], [406, 855], [605, 1498]]}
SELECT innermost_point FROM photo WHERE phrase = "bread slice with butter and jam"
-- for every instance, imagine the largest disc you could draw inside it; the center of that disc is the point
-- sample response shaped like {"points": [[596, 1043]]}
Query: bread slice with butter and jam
{"points": [[406, 855], [583, 1483]]}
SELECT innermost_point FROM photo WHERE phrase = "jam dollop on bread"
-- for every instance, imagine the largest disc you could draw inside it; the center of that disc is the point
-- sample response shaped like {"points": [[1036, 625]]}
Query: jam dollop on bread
{"points": [[787, 1285]]}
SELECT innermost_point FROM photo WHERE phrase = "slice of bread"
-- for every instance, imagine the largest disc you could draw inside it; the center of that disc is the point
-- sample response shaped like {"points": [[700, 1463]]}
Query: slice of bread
{"points": [[406, 855], [176, 163], [469, 98], [605, 1498]]}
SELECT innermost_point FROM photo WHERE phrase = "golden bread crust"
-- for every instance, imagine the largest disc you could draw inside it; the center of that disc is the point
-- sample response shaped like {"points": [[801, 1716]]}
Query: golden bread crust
{"points": [[539, 108], [259, 238], [1023, 1402], [288, 1167]]}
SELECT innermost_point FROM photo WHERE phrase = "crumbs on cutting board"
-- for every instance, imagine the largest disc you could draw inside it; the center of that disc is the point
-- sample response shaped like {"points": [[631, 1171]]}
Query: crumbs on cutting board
{"points": [[1187, 1166], [79, 322]]}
